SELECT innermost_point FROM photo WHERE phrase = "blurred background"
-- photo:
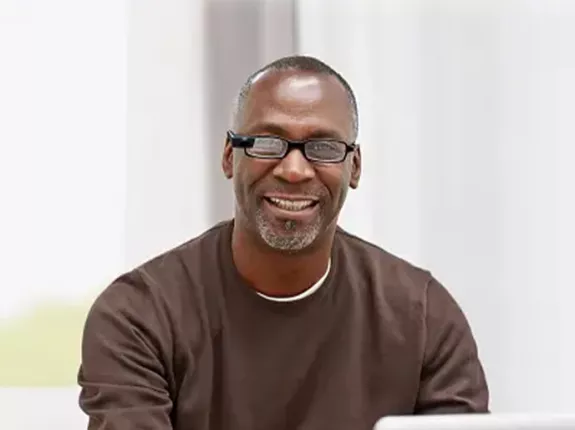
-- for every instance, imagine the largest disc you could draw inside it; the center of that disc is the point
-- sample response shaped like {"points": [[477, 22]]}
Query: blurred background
{"points": [[112, 121]]}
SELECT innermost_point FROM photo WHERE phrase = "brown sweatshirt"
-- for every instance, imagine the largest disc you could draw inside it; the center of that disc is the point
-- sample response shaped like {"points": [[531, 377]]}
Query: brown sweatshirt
{"points": [[183, 343]]}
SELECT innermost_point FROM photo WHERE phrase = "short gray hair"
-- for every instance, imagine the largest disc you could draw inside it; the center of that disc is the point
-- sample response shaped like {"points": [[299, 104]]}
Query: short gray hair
{"points": [[300, 63]]}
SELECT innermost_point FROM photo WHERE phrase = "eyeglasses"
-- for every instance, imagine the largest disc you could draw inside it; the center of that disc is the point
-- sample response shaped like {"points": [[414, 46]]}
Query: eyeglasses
{"points": [[273, 147]]}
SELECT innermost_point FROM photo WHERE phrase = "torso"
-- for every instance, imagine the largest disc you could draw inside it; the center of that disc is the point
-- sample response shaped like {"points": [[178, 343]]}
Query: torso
{"points": [[338, 359]]}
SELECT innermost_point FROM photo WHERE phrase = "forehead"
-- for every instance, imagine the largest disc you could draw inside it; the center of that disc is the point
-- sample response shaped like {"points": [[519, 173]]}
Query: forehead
{"points": [[301, 104]]}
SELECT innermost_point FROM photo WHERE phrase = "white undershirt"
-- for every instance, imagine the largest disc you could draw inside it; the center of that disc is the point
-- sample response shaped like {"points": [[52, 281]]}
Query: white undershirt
{"points": [[303, 294]]}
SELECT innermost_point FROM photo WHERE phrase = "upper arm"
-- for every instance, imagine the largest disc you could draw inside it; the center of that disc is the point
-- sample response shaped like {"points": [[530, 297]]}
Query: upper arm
{"points": [[452, 378], [122, 374]]}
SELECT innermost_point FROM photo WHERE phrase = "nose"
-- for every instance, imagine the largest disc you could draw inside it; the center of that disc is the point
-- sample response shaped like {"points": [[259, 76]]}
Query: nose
{"points": [[294, 168]]}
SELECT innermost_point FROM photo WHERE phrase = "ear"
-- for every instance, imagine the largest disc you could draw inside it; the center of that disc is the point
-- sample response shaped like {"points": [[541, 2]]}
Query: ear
{"points": [[228, 160], [355, 168]]}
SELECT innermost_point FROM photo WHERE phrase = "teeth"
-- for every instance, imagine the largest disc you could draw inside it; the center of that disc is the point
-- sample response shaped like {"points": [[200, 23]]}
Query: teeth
{"points": [[291, 205]]}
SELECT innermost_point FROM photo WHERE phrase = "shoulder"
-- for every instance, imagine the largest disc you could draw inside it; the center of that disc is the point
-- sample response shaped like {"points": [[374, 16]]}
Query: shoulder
{"points": [[400, 289], [406, 291], [385, 271], [164, 289], [407, 299], [184, 265]]}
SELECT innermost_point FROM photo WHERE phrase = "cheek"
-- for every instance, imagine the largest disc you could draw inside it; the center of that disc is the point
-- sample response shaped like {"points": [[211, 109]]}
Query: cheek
{"points": [[335, 178], [248, 171], [242, 168]]}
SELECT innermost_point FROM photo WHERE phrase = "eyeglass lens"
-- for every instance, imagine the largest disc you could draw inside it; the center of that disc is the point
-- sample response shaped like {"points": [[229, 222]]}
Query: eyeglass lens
{"points": [[319, 150]]}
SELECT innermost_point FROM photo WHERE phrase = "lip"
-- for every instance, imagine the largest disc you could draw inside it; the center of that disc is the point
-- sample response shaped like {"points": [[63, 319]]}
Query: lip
{"points": [[302, 216], [292, 197]]}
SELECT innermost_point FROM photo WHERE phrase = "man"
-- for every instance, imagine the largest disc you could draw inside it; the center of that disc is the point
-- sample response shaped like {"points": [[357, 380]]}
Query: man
{"points": [[279, 319]]}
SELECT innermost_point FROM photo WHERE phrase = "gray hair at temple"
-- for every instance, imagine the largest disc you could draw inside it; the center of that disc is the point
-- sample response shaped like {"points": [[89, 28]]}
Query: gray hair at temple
{"points": [[299, 63]]}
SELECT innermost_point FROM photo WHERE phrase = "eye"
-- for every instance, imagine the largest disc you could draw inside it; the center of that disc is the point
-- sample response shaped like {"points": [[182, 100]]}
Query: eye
{"points": [[267, 147], [327, 150]]}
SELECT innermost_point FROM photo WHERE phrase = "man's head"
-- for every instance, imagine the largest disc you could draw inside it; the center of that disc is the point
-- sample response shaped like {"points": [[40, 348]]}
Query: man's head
{"points": [[289, 196]]}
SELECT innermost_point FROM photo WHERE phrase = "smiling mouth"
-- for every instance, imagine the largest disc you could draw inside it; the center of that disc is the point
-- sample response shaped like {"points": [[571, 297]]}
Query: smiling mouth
{"points": [[291, 205]]}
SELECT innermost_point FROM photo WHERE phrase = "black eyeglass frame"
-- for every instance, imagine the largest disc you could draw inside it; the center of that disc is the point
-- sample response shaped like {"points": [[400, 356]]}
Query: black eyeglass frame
{"points": [[247, 142]]}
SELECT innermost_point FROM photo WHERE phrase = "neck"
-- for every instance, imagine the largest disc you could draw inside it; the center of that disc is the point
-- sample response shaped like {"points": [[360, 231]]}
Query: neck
{"points": [[276, 273]]}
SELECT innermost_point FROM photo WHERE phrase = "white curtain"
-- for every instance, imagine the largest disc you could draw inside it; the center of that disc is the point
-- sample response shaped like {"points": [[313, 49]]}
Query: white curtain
{"points": [[467, 123], [186, 61], [62, 194]]}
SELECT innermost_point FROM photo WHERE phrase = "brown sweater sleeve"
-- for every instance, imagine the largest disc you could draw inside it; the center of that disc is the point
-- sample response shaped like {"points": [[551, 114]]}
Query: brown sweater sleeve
{"points": [[122, 373], [452, 379]]}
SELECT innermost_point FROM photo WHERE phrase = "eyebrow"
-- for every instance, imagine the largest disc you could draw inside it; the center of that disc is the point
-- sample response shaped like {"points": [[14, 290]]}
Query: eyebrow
{"points": [[278, 130]]}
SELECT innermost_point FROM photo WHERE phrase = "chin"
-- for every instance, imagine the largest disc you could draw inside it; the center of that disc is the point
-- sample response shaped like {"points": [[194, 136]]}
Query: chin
{"points": [[288, 236]]}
